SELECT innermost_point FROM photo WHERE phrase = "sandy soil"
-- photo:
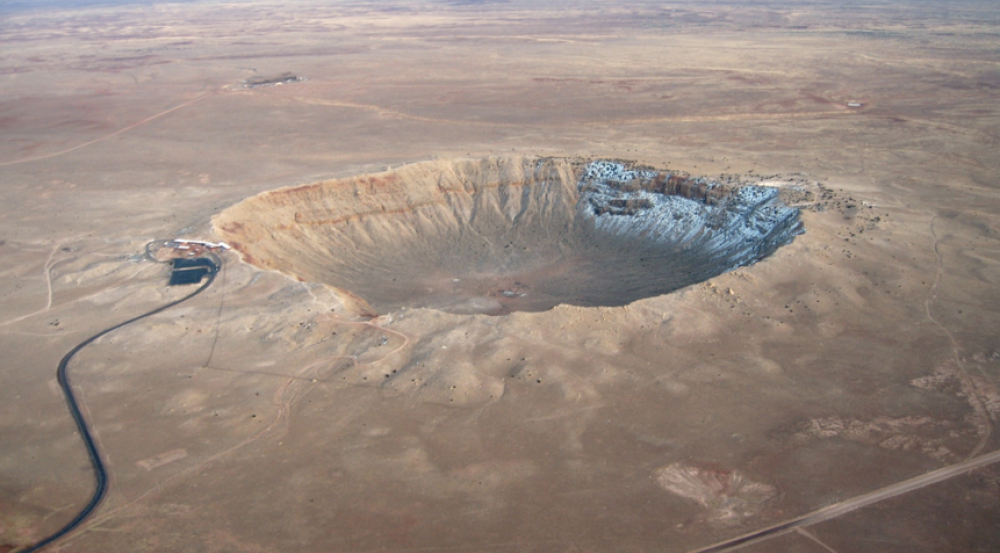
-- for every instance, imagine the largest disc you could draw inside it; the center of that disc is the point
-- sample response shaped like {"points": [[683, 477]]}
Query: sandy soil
{"points": [[267, 415]]}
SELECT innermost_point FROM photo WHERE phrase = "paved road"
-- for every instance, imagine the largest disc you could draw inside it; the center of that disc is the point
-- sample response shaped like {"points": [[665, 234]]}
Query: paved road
{"points": [[837, 509], [100, 472], [815, 517]]}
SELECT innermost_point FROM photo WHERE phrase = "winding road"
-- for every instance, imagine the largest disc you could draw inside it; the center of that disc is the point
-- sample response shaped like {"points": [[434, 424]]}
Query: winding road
{"points": [[100, 472], [795, 524]]}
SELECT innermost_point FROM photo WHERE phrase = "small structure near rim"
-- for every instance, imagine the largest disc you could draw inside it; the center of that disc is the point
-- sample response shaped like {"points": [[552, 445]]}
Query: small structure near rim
{"points": [[165, 250], [192, 260], [184, 244]]}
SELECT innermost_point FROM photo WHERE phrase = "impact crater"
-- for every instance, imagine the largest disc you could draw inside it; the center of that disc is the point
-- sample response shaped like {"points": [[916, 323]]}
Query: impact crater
{"points": [[506, 234]]}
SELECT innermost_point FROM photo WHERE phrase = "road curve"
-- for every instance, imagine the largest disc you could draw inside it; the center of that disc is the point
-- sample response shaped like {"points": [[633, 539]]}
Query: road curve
{"points": [[100, 472], [843, 507]]}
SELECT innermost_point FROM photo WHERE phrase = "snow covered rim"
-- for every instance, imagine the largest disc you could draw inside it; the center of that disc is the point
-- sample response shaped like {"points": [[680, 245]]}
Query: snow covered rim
{"points": [[731, 225]]}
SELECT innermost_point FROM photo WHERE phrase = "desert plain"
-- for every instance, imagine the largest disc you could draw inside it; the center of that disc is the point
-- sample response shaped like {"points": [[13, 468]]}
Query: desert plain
{"points": [[272, 412]]}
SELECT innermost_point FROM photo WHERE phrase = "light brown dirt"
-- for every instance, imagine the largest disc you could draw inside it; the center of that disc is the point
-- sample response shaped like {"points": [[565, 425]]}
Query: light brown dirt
{"points": [[861, 355]]}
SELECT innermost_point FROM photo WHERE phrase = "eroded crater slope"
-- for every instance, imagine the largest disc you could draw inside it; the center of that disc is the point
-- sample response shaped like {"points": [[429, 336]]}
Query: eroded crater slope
{"points": [[508, 234]]}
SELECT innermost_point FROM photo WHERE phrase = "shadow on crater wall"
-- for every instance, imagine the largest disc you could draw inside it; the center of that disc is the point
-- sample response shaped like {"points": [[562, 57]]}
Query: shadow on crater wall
{"points": [[499, 235]]}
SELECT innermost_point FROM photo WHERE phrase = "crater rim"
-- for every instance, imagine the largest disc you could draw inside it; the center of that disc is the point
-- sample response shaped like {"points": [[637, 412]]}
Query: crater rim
{"points": [[502, 234]]}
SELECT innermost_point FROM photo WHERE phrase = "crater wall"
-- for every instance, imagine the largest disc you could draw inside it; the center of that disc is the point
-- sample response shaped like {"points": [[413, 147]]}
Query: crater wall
{"points": [[508, 234]]}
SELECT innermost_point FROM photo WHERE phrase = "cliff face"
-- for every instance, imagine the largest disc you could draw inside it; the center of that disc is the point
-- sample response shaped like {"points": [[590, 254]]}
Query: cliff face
{"points": [[507, 234]]}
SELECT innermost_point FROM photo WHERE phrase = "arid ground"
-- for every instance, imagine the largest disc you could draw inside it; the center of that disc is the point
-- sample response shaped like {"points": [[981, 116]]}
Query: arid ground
{"points": [[272, 414]]}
